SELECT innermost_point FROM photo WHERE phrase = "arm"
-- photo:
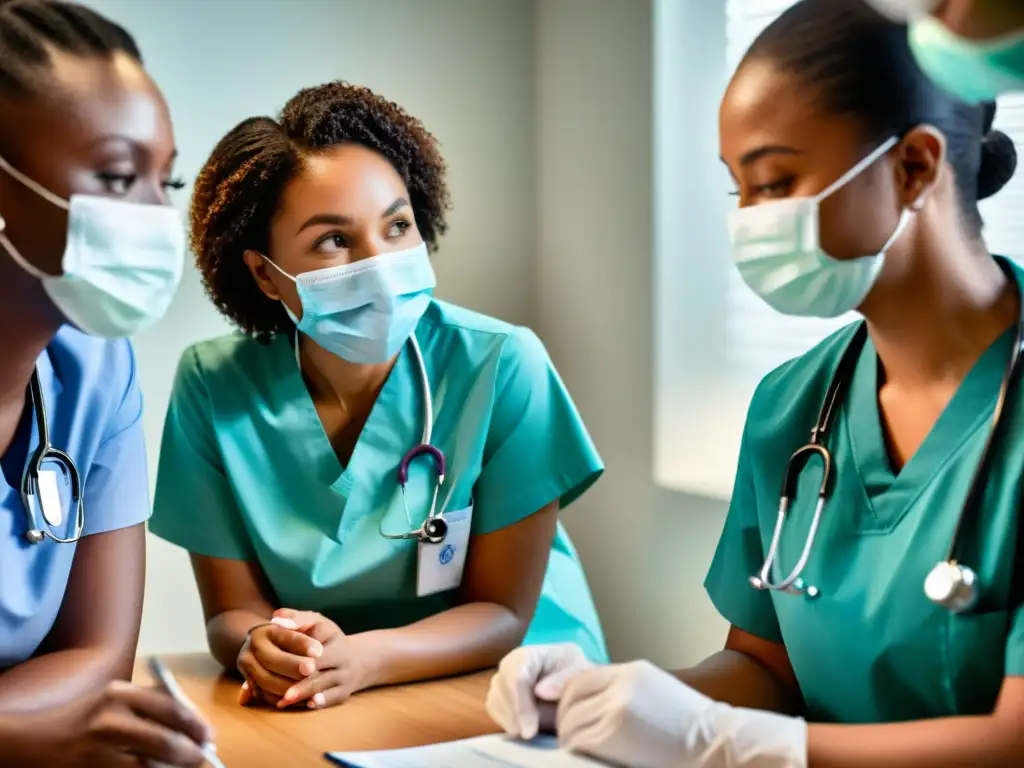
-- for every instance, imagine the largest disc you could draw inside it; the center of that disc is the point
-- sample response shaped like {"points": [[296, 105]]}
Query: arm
{"points": [[993, 741], [94, 637], [501, 585], [749, 672], [236, 597]]}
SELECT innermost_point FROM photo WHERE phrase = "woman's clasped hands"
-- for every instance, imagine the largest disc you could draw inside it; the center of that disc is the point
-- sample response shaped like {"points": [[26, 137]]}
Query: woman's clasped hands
{"points": [[299, 658], [635, 714]]}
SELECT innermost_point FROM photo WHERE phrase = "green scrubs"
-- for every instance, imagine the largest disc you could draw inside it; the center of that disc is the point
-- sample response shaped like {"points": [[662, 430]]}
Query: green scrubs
{"points": [[872, 647], [247, 473]]}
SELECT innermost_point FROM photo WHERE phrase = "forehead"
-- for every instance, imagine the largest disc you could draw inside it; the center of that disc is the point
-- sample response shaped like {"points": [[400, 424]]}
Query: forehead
{"points": [[348, 180], [765, 106], [81, 101]]}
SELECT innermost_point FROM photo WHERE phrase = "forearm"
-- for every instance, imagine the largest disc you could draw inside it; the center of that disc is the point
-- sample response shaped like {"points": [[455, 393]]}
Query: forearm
{"points": [[952, 742], [735, 678], [226, 633], [60, 677], [463, 639]]}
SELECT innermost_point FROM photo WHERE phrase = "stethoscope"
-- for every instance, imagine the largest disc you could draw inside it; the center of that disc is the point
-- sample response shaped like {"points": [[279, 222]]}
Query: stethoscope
{"points": [[950, 584], [434, 527], [31, 492]]}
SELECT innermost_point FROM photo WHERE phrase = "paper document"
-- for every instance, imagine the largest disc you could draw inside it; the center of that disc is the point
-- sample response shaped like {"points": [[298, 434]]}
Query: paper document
{"points": [[483, 752]]}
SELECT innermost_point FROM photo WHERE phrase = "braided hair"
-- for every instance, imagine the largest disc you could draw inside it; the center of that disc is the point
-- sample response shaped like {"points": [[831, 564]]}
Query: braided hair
{"points": [[239, 188], [30, 29]]}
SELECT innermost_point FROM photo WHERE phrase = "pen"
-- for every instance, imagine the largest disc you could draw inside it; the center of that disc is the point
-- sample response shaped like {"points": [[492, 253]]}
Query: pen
{"points": [[169, 684]]}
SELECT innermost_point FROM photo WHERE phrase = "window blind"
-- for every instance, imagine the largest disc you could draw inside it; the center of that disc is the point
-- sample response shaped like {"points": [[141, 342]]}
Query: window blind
{"points": [[759, 338]]}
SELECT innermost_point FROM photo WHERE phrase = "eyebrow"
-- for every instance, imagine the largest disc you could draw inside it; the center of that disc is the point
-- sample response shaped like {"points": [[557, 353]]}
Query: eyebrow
{"points": [[754, 155], [339, 220]]}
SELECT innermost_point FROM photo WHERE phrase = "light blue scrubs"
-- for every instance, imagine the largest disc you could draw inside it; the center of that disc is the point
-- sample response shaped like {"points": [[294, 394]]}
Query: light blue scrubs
{"points": [[94, 411], [247, 472]]}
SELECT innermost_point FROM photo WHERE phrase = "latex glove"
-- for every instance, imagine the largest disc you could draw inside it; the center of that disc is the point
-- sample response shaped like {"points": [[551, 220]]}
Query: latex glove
{"points": [[529, 682], [640, 716], [334, 675]]}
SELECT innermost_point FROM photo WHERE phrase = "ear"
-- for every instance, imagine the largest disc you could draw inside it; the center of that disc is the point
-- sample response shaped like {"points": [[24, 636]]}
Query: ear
{"points": [[260, 271], [920, 159]]}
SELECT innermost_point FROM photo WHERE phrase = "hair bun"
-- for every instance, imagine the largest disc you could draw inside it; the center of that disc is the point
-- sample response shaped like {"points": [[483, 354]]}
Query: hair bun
{"points": [[998, 163]]}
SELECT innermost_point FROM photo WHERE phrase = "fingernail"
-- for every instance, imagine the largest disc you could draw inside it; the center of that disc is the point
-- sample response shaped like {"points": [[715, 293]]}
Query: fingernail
{"points": [[319, 700], [245, 686], [286, 623], [307, 668], [316, 651], [290, 694]]}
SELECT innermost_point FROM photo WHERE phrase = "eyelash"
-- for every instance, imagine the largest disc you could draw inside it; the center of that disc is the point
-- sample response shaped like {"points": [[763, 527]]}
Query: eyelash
{"points": [[767, 189], [128, 180]]}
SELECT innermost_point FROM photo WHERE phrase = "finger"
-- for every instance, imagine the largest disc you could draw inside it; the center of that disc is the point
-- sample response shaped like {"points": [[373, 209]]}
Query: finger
{"points": [[550, 688], [295, 642], [262, 678], [162, 709], [246, 694], [579, 726], [267, 652], [587, 684], [499, 708], [300, 619], [124, 730], [306, 689]]}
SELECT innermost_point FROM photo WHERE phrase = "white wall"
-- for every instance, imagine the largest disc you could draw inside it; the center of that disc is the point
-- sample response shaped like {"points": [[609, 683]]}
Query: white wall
{"points": [[646, 550], [463, 66]]}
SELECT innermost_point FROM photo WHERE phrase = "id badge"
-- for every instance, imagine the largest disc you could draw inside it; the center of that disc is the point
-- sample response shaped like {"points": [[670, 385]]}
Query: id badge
{"points": [[441, 565]]}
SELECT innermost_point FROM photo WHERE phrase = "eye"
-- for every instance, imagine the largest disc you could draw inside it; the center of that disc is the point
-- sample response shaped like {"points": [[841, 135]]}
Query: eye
{"points": [[117, 183], [398, 228], [331, 243], [775, 189], [174, 184]]}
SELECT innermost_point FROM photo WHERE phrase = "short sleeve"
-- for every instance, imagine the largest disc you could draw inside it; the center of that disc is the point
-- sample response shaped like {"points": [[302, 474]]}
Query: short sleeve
{"points": [[537, 450], [739, 554], [116, 488], [194, 505]]}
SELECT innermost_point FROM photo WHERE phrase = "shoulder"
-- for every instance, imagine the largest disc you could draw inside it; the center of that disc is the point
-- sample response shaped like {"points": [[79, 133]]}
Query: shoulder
{"points": [[795, 390], [480, 340], [226, 359], [95, 376]]}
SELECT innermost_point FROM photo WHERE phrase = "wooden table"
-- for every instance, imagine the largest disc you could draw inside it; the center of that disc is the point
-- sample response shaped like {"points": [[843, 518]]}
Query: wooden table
{"points": [[386, 718]]}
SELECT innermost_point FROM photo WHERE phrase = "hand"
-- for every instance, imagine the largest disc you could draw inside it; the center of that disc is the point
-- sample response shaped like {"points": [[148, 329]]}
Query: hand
{"points": [[641, 716], [335, 674], [274, 656], [529, 681], [124, 726]]}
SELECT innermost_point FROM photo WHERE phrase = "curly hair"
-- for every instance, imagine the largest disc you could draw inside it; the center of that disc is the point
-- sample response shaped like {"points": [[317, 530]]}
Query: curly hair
{"points": [[239, 188]]}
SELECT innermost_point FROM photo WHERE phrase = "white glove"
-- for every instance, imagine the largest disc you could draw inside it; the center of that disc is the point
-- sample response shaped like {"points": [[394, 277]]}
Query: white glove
{"points": [[529, 681], [639, 716]]}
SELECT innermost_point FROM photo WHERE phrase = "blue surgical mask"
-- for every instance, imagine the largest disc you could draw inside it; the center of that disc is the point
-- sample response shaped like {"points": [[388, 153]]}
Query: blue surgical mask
{"points": [[972, 70], [121, 266], [365, 311], [777, 250]]}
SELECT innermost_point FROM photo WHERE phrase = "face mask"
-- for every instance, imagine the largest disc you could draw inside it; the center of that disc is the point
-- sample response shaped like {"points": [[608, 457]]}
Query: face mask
{"points": [[778, 254], [972, 70], [121, 265], [365, 311]]}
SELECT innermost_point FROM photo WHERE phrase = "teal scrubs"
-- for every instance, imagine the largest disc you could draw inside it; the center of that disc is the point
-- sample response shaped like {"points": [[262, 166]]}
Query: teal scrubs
{"points": [[247, 473], [872, 647]]}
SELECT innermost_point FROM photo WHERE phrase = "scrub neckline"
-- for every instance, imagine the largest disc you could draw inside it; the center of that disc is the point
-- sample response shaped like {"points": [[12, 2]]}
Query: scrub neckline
{"points": [[890, 494], [330, 469]]}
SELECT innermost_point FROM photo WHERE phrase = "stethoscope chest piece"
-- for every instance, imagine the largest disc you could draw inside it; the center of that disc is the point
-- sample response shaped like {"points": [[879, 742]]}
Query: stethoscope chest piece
{"points": [[952, 586], [434, 530]]}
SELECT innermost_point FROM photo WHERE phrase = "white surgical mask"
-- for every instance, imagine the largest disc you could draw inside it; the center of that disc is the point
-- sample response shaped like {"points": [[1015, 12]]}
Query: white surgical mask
{"points": [[365, 311], [121, 265], [777, 250]]}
